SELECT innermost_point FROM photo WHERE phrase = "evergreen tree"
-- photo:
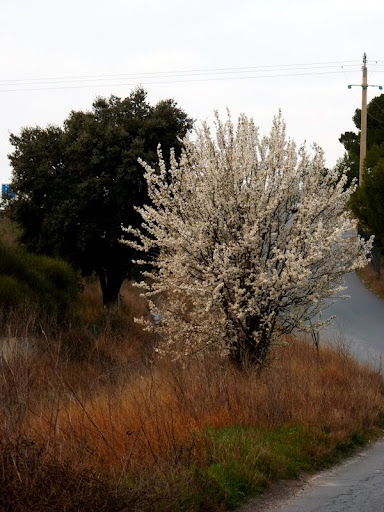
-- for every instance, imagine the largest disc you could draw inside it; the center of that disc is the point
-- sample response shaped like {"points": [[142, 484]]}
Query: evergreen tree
{"points": [[76, 184]]}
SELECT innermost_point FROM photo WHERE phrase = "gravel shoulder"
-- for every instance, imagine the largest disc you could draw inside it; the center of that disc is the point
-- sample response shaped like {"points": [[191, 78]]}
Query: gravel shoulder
{"points": [[276, 494]]}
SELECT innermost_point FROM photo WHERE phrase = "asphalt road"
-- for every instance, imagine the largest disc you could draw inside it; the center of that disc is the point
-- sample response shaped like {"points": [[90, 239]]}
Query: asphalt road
{"points": [[357, 485], [359, 322]]}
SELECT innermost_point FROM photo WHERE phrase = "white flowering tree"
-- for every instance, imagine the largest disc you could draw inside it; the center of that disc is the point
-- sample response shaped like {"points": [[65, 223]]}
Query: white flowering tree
{"points": [[248, 239]]}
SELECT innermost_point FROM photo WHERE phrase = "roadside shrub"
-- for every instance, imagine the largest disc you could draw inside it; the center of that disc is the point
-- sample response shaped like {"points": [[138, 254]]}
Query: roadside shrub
{"points": [[12, 291], [9, 230], [28, 279]]}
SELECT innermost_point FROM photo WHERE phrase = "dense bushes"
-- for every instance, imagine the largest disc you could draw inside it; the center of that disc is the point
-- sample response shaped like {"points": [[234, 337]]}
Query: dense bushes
{"points": [[27, 280]]}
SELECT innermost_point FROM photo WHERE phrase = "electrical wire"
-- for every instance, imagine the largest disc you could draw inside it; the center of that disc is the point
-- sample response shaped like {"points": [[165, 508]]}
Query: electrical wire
{"points": [[194, 71], [375, 118], [183, 76], [377, 105]]}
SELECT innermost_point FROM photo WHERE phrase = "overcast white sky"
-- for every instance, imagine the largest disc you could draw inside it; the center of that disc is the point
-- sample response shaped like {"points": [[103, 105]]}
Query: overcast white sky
{"points": [[318, 47]]}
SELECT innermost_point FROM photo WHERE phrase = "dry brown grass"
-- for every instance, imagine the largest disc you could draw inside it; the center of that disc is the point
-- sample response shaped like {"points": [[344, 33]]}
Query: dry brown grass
{"points": [[373, 280], [152, 417], [111, 422]]}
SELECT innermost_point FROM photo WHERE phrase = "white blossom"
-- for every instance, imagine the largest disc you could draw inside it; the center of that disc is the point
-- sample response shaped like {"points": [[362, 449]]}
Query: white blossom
{"points": [[247, 238]]}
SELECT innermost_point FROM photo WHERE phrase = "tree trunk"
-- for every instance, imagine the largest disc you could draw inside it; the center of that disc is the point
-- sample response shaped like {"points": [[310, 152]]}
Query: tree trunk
{"points": [[245, 350], [110, 282]]}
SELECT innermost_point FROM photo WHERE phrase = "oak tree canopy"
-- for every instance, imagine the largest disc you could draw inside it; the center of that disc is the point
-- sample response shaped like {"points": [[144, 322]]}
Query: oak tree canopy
{"points": [[76, 184]]}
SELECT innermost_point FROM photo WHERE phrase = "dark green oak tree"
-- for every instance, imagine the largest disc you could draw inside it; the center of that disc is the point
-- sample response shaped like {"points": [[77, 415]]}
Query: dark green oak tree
{"points": [[375, 137], [367, 203], [77, 184]]}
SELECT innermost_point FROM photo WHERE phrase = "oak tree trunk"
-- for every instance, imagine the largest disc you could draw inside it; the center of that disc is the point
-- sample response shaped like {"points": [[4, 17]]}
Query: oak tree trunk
{"points": [[110, 282]]}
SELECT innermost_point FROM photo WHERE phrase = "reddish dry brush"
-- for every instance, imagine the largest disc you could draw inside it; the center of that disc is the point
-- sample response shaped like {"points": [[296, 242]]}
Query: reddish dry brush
{"points": [[373, 280], [158, 416], [113, 423]]}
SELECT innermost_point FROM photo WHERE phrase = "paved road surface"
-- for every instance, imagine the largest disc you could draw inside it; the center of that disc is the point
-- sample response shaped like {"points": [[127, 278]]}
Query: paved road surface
{"points": [[357, 485], [359, 322]]}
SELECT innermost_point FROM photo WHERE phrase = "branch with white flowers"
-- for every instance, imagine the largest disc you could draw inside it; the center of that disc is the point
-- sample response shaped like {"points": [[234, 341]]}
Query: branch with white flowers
{"points": [[247, 237]]}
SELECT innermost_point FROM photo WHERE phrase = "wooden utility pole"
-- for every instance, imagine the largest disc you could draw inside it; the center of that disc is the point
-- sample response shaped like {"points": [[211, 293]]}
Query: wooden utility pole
{"points": [[363, 132]]}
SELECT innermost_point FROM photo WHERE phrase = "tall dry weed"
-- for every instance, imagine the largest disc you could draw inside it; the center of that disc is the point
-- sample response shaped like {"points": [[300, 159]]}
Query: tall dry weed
{"points": [[373, 280], [113, 423], [157, 416]]}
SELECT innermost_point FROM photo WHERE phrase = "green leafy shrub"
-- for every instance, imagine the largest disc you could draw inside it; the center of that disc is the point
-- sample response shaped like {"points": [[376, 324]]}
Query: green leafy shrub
{"points": [[27, 279], [12, 291]]}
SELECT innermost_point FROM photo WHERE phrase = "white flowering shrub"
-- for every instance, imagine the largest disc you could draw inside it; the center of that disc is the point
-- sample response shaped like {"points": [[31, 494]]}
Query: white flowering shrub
{"points": [[247, 237]]}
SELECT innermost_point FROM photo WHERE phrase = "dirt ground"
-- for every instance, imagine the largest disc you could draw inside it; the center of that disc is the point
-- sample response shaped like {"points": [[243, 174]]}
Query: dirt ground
{"points": [[276, 494]]}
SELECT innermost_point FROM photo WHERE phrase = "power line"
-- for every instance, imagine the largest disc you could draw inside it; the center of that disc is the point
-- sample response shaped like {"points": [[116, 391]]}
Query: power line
{"points": [[172, 79], [377, 105], [202, 71], [194, 73], [375, 118]]}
